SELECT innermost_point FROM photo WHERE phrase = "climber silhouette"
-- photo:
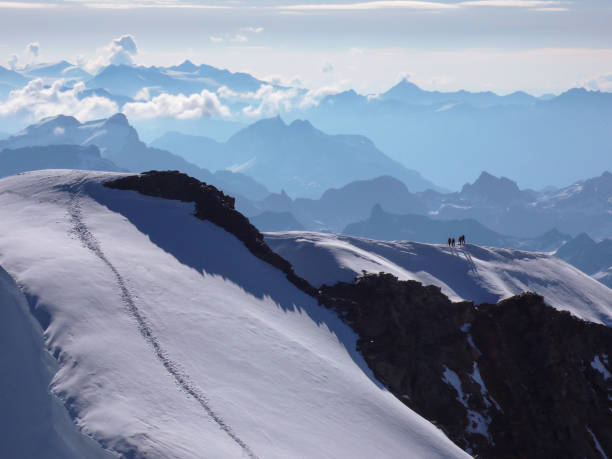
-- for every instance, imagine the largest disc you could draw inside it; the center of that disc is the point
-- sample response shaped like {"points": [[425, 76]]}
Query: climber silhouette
{"points": [[449, 241]]}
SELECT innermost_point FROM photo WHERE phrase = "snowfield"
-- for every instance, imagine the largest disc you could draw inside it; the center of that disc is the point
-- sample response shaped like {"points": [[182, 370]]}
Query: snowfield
{"points": [[171, 340], [480, 274]]}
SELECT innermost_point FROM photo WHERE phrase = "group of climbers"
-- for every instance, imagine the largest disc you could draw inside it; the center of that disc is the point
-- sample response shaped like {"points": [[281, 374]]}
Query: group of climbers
{"points": [[460, 241]]}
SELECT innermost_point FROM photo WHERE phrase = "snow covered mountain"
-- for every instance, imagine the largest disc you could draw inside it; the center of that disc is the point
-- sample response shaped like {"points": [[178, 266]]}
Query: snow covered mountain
{"points": [[171, 339], [480, 274]]}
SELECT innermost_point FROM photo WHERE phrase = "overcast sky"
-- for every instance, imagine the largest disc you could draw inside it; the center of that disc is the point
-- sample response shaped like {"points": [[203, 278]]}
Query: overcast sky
{"points": [[504, 45]]}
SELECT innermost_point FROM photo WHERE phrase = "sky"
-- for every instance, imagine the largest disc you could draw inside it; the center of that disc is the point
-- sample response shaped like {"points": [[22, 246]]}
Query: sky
{"points": [[539, 46]]}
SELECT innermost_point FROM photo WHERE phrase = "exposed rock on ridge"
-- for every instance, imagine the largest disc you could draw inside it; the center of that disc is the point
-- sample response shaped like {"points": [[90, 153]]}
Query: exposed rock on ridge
{"points": [[513, 379], [213, 205]]}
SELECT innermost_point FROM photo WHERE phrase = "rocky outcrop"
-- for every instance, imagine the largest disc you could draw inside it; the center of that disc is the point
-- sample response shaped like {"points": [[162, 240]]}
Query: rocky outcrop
{"points": [[513, 379], [210, 204]]}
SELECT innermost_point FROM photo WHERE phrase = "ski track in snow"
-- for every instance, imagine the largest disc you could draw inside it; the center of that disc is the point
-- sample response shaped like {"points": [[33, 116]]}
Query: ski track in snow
{"points": [[80, 229]]}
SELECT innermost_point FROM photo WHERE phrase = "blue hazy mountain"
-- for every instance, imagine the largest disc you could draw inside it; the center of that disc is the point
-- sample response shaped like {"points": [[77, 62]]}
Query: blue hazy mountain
{"points": [[593, 258], [387, 226], [584, 206], [527, 219], [187, 78], [197, 149], [237, 81], [62, 69], [450, 137], [118, 141], [297, 157], [276, 221], [338, 207], [409, 93], [9, 80], [53, 157]]}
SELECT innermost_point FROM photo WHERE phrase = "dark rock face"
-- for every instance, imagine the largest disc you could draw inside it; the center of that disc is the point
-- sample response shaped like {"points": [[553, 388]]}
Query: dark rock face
{"points": [[513, 379], [213, 205]]}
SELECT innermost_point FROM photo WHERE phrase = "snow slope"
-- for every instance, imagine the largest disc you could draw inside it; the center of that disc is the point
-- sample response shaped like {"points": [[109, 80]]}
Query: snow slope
{"points": [[172, 340], [33, 423], [480, 274]]}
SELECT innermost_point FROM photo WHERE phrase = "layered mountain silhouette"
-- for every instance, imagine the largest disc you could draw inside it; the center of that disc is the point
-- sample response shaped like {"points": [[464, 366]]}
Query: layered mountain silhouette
{"points": [[410, 93], [118, 142], [387, 226], [9, 80], [297, 157], [450, 136], [498, 203], [186, 78], [53, 157], [62, 69], [593, 258]]}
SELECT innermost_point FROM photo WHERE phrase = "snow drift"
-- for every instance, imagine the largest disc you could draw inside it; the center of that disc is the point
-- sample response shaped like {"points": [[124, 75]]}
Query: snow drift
{"points": [[170, 339], [480, 274]]}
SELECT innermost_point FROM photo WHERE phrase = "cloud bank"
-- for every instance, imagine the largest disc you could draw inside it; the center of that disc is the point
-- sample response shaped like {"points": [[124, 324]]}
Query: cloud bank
{"points": [[36, 101], [177, 106], [120, 51]]}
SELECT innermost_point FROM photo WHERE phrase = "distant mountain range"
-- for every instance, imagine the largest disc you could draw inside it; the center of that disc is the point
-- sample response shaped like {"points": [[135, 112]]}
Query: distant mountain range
{"points": [[62, 69], [119, 143], [517, 216], [593, 258], [53, 157], [451, 136], [296, 157], [187, 78], [387, 226], [409, 93]]}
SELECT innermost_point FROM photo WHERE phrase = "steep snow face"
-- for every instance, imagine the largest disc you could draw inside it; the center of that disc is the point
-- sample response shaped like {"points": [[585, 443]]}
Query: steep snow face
{"points": [[33, 422], [480, 274], [172, 340]]}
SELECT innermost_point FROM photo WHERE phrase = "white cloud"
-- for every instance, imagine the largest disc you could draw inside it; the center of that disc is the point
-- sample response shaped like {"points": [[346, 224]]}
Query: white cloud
{"points": [[267, 100], [13, 61], [512, 3], [119, 51], [27, 5], [314, 96], [239, 38], [253, 29], [216, 39], [355, 51], [600, 83], [382, 4], [33, 49], [154, 4], [328, 67], [178, 106], [36, 101], [281, 80], [143, 94], [420, 5]]}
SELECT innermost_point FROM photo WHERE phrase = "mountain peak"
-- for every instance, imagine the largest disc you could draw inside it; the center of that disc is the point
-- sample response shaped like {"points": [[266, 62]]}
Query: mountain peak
{"points": [[118, 119], [187, 66], [377, 211], [301, 125]]}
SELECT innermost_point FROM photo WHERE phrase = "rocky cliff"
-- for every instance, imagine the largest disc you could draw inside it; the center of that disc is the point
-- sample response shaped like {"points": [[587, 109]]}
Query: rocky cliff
{"points": [[513, 379]]}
